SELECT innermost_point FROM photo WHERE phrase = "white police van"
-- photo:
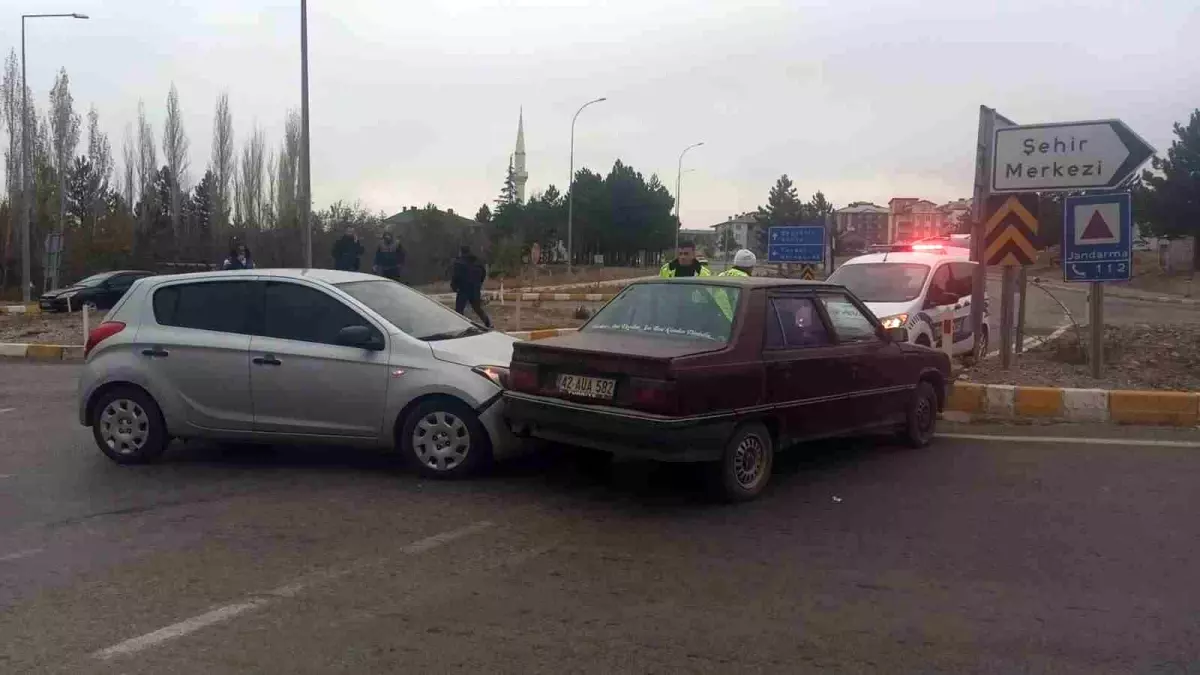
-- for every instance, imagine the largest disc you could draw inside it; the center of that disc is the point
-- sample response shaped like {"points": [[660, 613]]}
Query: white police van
{"points": [[914, 286]]}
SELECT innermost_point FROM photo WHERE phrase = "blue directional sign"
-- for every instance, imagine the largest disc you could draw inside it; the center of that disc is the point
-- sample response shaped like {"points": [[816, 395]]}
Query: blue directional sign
{"points": [[796, 244], [1098, 238]]}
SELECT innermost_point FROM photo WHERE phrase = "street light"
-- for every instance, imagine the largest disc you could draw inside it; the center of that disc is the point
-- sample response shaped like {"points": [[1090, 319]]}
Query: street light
{"points": [[678, 187], [571, 186], [26, 197], [305, 175]]}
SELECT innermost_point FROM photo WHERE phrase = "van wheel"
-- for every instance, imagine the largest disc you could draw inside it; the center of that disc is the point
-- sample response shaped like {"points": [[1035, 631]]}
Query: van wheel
{"points": [[443, 438], [920, 422], [128, 426], [923, 340], [744, 470]]}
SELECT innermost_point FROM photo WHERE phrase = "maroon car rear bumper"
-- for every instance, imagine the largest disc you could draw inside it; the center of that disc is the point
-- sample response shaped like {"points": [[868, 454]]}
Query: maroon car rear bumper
{"points": [[624, 433]]}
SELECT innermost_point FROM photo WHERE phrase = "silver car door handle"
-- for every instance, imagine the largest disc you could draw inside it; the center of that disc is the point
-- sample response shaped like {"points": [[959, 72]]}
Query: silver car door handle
{"points": [[267, 360], [155, 352]]}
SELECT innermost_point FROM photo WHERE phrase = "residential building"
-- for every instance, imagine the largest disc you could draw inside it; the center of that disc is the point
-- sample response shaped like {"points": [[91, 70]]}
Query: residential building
{"points": [[954, 215], [910, 218], [860, 226], [738, 232]]}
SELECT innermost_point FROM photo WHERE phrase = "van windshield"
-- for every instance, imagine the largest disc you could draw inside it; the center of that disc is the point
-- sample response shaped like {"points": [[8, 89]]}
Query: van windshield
{"points": [[882, 282]]}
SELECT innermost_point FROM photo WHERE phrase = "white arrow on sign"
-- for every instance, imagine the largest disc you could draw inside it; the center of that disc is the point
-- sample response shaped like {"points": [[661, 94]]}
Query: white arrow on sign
{"points": [[1068, 156]]}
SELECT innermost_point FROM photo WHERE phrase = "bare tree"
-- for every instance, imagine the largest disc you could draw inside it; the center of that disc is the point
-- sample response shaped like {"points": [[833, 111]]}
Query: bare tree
{"points": [[147, 165], [10, 103], [287, 172], [100, 155], [130, 159], [223, 160], [250, 185], [268, 218], [175, 153], [64, 128]]}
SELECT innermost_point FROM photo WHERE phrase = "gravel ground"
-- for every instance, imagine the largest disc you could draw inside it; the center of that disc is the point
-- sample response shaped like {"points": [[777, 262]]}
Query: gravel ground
{"points": [[536, 317], [47, 329], [1141, 356]]}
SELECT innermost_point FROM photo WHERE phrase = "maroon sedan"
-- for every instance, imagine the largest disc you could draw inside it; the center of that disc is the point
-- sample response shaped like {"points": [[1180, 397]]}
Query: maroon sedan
{"points": [[725, 370]]}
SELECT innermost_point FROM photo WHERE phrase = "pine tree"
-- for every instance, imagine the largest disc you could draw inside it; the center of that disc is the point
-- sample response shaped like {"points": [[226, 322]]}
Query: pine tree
{"points": [[483, 215], [1168, 199]]}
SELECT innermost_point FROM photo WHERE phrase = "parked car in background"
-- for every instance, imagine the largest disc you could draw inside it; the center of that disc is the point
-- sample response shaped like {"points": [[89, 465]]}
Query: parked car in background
{"points": [[725, 370], [99, 291], [295, 356]]}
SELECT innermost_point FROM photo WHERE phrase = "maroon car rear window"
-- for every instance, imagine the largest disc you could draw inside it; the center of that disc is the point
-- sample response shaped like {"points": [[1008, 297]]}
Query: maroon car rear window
{"points": [[680, 311]]}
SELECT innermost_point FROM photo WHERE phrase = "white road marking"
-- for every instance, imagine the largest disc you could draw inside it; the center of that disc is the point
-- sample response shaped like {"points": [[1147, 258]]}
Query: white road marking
{"points": [[20, 554], [4, 410], [1072, 440], [1034, 340], [227, 612]]}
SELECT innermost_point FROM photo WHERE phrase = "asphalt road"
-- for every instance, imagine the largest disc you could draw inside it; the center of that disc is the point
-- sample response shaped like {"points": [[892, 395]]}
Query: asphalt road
{"points": [[969, 556]]}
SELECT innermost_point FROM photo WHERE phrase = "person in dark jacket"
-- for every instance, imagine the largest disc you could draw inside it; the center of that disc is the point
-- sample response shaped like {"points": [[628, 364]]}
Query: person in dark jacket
{"points": [[467, 284], [347, 251], [239, 258], [389, 257]]}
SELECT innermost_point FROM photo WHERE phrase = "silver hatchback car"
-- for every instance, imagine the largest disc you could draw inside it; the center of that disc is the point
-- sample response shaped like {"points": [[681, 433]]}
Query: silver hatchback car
{"points": [[295, 356]]}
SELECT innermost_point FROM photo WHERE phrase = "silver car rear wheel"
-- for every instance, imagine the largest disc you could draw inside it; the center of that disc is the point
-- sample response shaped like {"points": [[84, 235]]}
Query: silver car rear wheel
{"points": [[128, 426]]}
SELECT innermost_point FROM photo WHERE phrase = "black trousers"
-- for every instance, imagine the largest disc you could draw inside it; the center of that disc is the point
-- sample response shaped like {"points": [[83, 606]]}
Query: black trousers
{"points": [[461, 301]]}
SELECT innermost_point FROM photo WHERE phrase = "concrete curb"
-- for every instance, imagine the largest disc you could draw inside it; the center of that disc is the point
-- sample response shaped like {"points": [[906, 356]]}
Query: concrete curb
{"points": [[36, 352], [31, 308], [541, 334], [1006, 401]]}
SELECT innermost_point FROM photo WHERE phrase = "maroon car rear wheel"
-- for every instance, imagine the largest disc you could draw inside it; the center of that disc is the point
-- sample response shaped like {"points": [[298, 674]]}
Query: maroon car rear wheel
{"points": [[745, 469]]}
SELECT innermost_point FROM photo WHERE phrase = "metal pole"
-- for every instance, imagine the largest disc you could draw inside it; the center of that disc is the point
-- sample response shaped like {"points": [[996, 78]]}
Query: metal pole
{"points": [[26, 214], [26, 220], [1006, 312], [983, 160], [1096, 317], [305, 175], [571, 189], [1022, 282], [679, 190]]}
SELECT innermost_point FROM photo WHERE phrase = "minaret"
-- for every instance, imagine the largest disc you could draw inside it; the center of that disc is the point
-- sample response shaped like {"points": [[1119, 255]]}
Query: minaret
{"points": [[520, 174]]}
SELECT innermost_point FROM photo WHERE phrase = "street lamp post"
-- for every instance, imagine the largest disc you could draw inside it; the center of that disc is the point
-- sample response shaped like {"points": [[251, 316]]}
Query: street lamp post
{"points": [[305, 175], [571, 187], [678, 188], [26, 170]]}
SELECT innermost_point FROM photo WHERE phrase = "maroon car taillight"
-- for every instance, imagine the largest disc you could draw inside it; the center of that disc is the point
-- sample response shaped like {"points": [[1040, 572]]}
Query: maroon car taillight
{"points": [[100, 334], [523, 377], [654, 396]]}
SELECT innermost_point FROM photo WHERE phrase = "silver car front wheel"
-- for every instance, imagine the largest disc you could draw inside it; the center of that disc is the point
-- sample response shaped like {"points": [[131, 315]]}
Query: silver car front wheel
{"points": [[443, 438], [128, 426]]}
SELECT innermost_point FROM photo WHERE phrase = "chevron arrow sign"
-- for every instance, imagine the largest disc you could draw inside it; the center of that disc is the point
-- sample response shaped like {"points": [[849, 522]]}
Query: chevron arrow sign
{"points": [[1011, 230]]}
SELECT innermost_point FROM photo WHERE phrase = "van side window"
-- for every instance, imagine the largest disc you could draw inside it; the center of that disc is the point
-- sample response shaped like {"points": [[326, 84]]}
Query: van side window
{"points": [[963, 277]]}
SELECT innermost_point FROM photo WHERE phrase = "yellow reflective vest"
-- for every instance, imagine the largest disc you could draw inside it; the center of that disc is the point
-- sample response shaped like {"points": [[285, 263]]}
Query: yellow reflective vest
{"points": [[722, 298], [668, 270]]}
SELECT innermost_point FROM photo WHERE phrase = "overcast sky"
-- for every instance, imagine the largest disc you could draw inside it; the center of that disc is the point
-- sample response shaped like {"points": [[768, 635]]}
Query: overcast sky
{"points": [[413, 102]]}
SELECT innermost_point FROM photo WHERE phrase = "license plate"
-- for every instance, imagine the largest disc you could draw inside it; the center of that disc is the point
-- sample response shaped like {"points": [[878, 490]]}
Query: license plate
{"points": [[587, 387]]}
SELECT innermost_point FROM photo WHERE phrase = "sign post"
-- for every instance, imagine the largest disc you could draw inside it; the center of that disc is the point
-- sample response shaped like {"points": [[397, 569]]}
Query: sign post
{"points": [[1010, 241], [796, 244], [1097, 248], [989, 121]]}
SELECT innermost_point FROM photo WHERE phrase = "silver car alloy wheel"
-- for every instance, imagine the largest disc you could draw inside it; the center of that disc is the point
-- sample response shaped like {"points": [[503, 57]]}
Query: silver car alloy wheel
{"points": [[441, 441], [124, 426], [749, 462]]}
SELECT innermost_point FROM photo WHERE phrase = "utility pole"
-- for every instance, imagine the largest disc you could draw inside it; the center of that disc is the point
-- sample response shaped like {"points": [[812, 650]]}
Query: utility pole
{"points": [[27, 162], [305, 175], [571, 188]]}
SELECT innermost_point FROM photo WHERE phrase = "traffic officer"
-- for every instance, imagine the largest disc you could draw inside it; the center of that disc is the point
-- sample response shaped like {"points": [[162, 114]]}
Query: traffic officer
{"points": [[685, 263], [743, 264]]}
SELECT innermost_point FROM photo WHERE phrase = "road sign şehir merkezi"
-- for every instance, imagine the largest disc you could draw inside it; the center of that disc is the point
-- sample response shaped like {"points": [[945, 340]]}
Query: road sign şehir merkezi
{"points": [[1011, 230], [796, 244], [1098, 238], [1069, 156]]}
